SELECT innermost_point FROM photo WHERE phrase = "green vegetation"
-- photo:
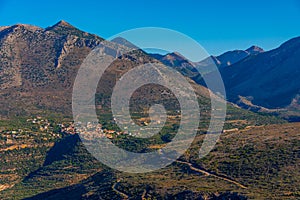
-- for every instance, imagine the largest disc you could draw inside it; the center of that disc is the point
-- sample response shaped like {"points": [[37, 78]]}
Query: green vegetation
{"points": [[56, 162]]}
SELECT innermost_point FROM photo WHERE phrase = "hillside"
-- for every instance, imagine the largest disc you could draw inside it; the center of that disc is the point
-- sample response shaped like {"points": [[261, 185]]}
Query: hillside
{"points": [[38, 66], [268, 79], [256, 162], [262, 81], [205, 66]]}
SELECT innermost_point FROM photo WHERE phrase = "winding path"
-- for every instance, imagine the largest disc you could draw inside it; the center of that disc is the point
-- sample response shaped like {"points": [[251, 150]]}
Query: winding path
{"points": [[207, 173], [144, 194], [114, 187], [203, 171]]}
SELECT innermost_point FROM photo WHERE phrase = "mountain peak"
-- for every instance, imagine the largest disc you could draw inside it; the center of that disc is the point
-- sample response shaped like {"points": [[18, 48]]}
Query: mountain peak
{"points": [[254, 50], [64, 28], [175, 55], [124, 42], [62, 23]]}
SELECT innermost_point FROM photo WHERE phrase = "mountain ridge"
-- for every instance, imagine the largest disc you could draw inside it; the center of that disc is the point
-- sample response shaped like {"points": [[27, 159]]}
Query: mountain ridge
{"points": [[25, 64], [242, 72]]}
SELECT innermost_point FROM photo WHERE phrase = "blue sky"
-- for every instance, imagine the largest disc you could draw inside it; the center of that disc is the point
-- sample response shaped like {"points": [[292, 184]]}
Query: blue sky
{"points": [[217, 25]]}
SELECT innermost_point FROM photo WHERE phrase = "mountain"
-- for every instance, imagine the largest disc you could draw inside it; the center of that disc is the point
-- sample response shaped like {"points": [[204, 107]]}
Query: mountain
{"points": [[206, 66], [173, 59], [33, 56], [38, 67], [232, 57], [268, 79], [124, 42], [178, 61], [37, 63], [263, 81], [254, 50], [56, 41]]}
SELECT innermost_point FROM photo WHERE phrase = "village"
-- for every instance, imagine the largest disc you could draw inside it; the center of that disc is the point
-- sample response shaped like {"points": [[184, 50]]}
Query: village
{"points": [[45, 130], [42, 129]]}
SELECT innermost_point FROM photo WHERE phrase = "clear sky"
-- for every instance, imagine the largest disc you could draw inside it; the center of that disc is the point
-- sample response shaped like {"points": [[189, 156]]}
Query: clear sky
{"points": [[217, 25]]}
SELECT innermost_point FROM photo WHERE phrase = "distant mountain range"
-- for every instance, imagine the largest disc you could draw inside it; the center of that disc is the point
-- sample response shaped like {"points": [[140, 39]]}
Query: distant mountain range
{"points": [[206, 66], [226, 59], [255, 79], [38, 68], [268, 79], [37, 60]]}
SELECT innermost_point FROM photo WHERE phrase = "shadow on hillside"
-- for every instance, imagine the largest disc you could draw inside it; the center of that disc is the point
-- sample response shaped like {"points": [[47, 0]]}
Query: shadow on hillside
{"points": [[199, 195], [62, 149], [69, 151], [100, 183]]}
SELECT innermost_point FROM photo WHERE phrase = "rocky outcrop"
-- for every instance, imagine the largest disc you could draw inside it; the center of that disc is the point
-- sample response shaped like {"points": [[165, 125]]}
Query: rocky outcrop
{"points": [[31, 55]]}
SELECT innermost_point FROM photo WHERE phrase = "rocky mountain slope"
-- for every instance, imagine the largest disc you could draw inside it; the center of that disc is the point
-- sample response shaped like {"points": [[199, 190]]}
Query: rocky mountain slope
{"points": [[267, 76], [268, 79], [32, 56], [228, 58], [254, 79], [38, 66]]}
